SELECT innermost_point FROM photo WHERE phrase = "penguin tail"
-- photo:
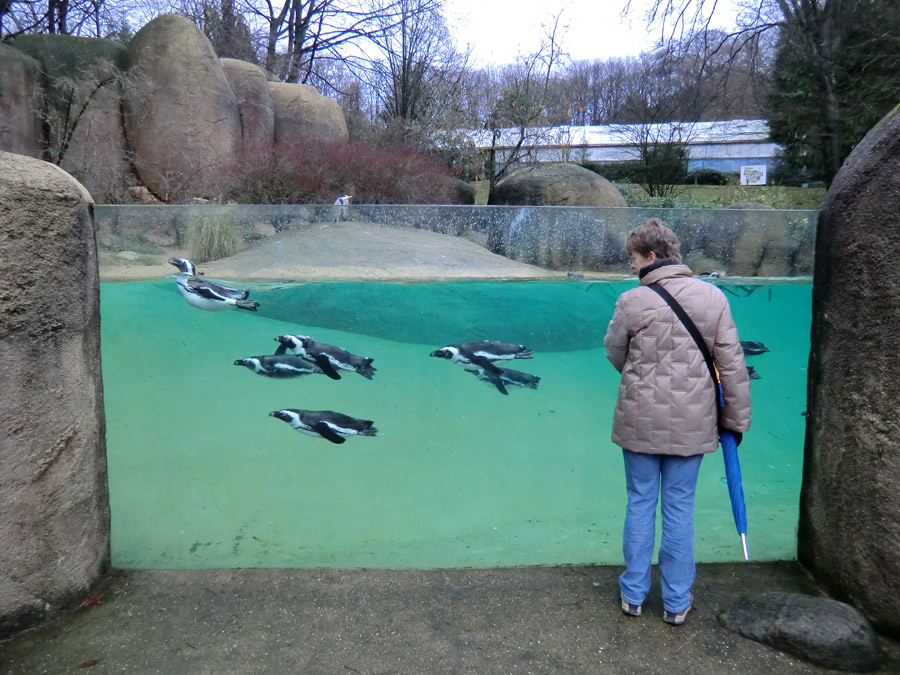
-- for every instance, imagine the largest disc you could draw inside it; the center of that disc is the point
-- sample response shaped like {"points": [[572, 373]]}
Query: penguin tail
{"points": [[525, 354], [250, 305], [366, 371], [369, 430]]}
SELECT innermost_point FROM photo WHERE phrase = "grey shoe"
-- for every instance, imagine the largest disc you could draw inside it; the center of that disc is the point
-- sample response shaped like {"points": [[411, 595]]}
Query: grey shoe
{"points": [[631, 610], [677, 618]]}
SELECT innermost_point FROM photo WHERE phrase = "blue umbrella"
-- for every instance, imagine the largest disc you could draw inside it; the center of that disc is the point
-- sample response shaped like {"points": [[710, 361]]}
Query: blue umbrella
{"points": [[735, 483], [735, 488]]}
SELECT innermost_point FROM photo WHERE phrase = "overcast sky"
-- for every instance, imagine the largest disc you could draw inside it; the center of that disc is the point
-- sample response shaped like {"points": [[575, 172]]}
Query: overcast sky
{"points": [[499, 30]]}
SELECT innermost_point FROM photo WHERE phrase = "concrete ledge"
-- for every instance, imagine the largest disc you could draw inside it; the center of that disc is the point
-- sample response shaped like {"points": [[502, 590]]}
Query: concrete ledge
{"points": [[521, 620]]}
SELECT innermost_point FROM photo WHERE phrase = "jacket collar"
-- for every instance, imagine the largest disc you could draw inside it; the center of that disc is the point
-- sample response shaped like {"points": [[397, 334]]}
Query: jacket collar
{"points": [[663, 269]]}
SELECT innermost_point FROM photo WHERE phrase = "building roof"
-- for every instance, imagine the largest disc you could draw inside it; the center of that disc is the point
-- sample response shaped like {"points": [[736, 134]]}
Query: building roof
{"points": [[692, 133]]}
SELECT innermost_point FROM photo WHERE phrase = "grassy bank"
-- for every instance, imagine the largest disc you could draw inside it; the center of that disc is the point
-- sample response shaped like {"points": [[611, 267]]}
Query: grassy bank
{"points": [[717, 197], [712, 196]]}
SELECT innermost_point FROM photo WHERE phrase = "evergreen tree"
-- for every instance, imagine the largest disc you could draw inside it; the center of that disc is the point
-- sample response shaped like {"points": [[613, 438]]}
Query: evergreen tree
{"points": [[835, 76]]}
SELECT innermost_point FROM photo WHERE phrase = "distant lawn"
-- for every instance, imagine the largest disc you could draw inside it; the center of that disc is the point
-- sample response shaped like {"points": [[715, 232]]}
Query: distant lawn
{"points": [[717, 197], [712, 196]]}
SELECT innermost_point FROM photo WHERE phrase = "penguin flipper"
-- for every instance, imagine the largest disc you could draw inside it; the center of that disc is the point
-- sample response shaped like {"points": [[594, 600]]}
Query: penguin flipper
{"points": [[486, 364], [204, 290], [327, 433], [497, 382], [281, 350], [325, 364]]}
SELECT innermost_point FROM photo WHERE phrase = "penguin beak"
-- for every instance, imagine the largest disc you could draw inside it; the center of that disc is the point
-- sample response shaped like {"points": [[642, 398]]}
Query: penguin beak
{"points": [[441, 353], [240, 362], [277, 413]]}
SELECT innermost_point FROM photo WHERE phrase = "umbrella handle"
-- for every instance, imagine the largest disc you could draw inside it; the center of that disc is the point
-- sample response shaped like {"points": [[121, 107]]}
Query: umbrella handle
{"points": [[744, 543]]}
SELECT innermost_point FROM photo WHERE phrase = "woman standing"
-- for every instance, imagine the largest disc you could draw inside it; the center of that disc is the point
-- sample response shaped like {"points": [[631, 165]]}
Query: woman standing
{"points": [[666, 416]]}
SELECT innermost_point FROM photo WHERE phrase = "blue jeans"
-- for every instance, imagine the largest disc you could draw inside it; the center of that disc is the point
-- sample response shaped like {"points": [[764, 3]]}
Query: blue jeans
{"points": [[677, 478]]}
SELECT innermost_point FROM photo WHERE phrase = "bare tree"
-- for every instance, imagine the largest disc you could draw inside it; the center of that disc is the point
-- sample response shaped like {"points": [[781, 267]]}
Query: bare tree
{"points": [[817, 33], [90, 18], [418, 73], [295, 34], [518, 119]]}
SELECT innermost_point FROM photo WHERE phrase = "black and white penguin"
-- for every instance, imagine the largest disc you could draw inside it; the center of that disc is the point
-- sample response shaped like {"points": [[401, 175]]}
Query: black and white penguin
{"points": [[332, 426], [474, 355], [340, 207], [507, 376], [208, 295], [753, 348], [279, 366], [328, 357]]}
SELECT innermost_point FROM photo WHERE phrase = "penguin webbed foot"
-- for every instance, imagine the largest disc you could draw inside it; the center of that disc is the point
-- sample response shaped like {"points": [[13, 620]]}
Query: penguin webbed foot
{"points": [[369, 430]]}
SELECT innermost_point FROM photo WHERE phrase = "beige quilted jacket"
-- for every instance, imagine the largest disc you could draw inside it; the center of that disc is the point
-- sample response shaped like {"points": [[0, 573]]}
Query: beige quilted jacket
{"points": [[666, 403]]}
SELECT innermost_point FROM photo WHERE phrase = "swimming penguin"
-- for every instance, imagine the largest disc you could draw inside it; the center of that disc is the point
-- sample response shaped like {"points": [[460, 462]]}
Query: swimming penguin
{"points": [[208, 295], [279, 366], [752, 348], [332, 426], [474, 355], [507, 376], [328, 357]]}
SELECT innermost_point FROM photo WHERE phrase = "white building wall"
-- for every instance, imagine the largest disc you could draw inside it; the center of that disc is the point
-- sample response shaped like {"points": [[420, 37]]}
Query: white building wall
{"points": [[725, 146]]}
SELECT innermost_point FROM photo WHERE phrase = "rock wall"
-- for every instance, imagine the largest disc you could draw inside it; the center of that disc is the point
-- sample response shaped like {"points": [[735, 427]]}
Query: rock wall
{"points": [[302, 114], [251, 87], [53, 489], [183, 122], [20, 128], [849, 533], [189, 118], [78, 72]]}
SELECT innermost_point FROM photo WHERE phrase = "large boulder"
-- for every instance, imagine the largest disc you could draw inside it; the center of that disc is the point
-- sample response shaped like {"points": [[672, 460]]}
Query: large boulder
{"points": [[849, 534], [250, 85], [183, 122], [53, 490], [828, 633], [83, 81], [762, 246], [20, 125], [302, 114], [544, 237], [561, 239], [555, 185]]}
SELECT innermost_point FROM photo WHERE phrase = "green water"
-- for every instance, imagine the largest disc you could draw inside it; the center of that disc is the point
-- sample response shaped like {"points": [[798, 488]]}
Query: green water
{"points": [[459, 476]]}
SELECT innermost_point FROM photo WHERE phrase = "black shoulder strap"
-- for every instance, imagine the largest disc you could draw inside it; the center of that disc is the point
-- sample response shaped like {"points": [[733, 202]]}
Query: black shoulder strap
{"points": [[691, 328]]}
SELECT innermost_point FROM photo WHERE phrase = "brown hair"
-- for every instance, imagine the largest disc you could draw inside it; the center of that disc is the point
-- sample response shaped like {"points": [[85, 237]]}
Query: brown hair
{"points": [[656, 237]]}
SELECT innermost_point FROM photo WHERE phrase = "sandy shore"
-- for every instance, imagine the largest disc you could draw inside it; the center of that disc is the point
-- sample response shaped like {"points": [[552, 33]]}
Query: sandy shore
{"points": [[341, 251]]}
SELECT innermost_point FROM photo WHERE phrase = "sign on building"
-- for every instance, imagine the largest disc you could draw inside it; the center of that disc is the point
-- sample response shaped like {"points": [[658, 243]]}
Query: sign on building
{"points": [[754, 174]]}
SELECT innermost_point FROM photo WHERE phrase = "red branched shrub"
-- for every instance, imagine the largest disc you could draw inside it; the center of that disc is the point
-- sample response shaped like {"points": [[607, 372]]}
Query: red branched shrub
{"points": [[318, 171]]}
